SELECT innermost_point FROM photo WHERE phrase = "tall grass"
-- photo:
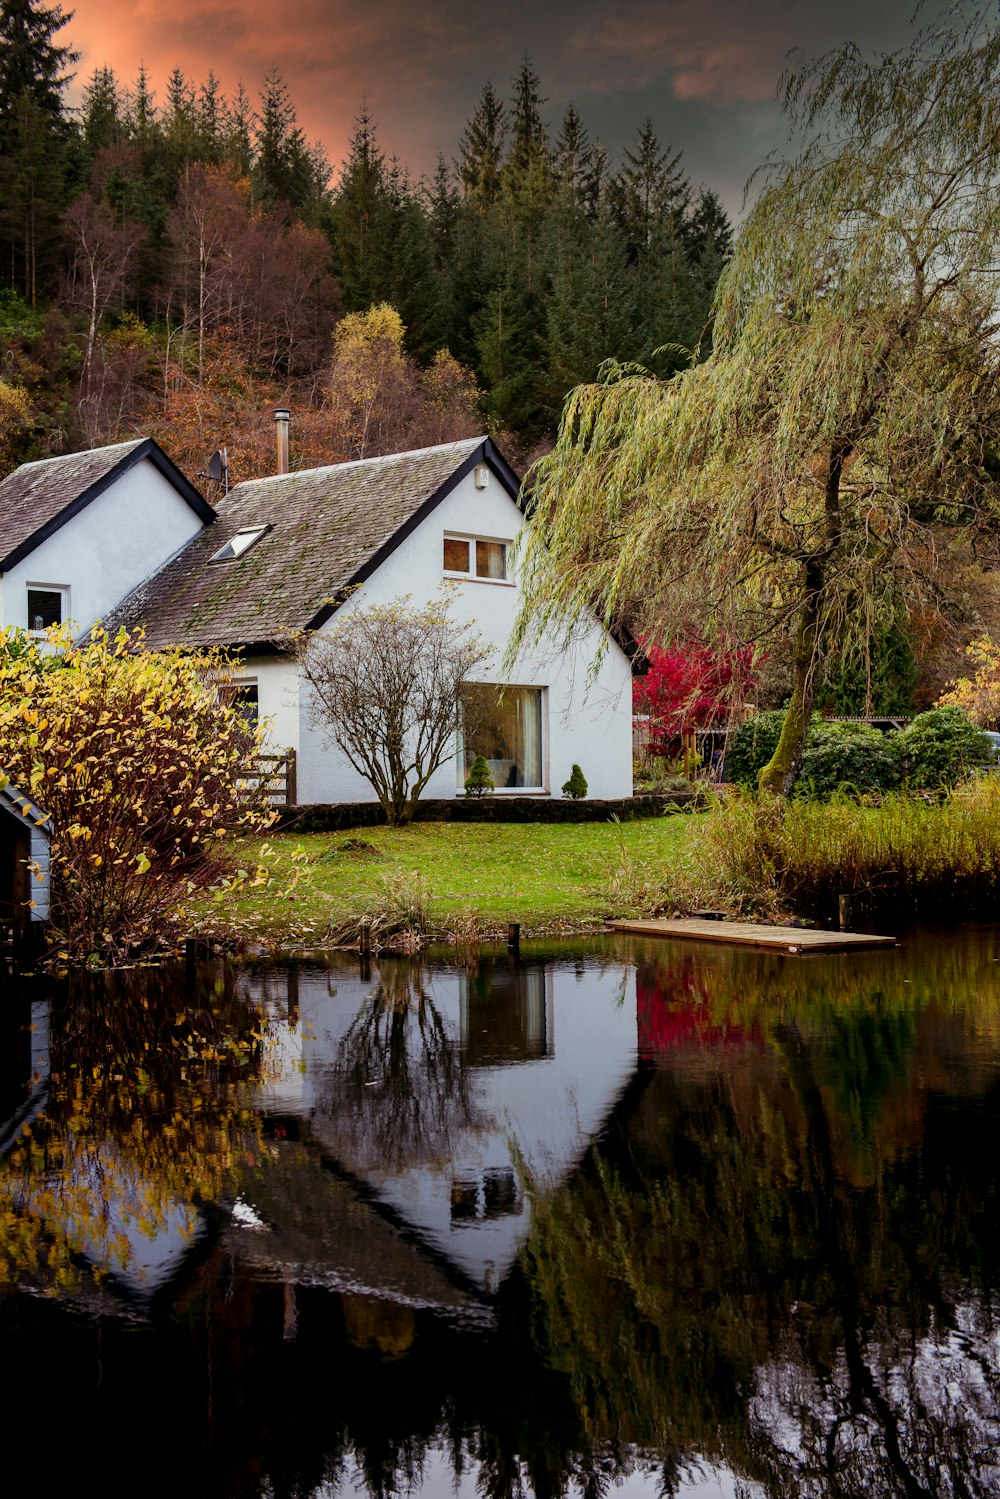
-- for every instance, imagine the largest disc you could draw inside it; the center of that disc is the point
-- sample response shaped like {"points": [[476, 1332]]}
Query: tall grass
{"points": [[906, 853]]}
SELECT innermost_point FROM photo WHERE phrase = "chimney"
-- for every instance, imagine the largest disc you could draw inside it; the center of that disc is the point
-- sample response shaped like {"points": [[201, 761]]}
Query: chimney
{"points": [[282, 418]]}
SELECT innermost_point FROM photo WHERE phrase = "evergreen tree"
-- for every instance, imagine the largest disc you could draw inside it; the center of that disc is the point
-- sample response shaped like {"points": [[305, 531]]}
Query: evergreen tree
{"points": [[32, 65], [237, 131], [282, 169], [649, 191], [34, 140], [103, 115], [354, 217], [481, 148], [527, 173], [209, 119]]}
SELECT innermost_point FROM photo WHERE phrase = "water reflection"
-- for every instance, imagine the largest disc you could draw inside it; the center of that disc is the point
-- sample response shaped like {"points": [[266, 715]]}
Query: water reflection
{"points": [[643, 1219]]}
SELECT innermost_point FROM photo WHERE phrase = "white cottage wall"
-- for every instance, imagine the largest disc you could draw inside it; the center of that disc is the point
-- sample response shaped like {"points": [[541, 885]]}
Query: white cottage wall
{"points": [[115, 543], [587, 723]]}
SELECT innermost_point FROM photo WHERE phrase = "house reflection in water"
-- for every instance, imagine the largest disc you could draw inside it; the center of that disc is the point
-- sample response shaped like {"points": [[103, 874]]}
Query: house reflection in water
{"points": [[450, 1097]]}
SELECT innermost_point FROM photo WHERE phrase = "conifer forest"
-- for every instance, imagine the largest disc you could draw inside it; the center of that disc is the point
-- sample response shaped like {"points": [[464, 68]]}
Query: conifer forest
{"points": [[179, 265]]}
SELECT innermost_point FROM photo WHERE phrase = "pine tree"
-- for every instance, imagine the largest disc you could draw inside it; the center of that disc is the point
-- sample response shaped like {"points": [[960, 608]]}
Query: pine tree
{"points": [[649, 191], [282, 169], [354, 216], [35, 135], [237, 131], [481, 148], [103, 116], [32, 65]]}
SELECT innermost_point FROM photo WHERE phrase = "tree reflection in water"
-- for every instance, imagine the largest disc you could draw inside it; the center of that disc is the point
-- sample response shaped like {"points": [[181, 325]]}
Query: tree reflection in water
{"points": [[399, 1094], [147, 1115], [780, 1257], [788, 1242]]}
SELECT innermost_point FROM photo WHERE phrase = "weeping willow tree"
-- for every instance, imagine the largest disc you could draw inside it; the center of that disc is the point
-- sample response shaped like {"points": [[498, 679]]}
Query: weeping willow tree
{"points": [[835, 453]]}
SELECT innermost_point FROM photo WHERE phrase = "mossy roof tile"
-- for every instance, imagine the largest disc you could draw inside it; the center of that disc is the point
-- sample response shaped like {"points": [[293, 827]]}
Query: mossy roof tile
{"points": [[328, 527]]}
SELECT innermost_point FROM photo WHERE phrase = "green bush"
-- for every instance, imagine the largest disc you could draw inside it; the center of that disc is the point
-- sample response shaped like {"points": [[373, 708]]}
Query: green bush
{"points": [[849, 757], [752, 746], [576, 786], [940, 748], [479, 781]]}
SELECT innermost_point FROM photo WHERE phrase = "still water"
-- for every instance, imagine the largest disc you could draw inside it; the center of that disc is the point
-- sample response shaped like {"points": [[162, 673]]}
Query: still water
{"points": [[623, 1218]]}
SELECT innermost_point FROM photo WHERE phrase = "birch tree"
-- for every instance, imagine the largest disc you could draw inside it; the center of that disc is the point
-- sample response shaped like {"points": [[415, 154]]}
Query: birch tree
{"points": [[840, 443]]}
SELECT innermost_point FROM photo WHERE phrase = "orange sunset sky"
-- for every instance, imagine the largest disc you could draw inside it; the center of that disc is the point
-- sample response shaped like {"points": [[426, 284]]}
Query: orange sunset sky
{"points": [[705, 71]]}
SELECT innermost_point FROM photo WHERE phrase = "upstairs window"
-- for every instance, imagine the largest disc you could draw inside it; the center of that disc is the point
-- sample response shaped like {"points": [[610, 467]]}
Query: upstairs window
{"points": [[46, 608], [239, 544], [476, 557]]}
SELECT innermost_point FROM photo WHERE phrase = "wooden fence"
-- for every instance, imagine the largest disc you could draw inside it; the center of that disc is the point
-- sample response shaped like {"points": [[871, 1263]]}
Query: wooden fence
{"points": [[277, 776]]}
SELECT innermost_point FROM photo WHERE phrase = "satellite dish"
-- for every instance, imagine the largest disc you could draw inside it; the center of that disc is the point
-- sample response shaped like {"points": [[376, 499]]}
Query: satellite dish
{"points": [[216, 465]]}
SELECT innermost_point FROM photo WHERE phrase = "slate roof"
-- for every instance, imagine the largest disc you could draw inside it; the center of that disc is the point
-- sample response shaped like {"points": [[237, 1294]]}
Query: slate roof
{"points": [[38, 498], [328, 529]]}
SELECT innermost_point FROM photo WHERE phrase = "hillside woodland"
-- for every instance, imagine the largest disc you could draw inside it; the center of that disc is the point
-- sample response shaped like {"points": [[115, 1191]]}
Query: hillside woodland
{"points": [[179, 265]]}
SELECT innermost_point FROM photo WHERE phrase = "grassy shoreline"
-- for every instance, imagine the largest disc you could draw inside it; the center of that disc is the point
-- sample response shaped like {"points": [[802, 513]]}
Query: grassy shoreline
{"points": [[459, 878]]}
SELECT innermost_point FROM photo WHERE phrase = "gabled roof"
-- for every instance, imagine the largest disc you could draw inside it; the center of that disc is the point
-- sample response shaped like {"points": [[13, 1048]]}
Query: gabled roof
{"points": [[15, 802], [328, 529], [38, 498]]}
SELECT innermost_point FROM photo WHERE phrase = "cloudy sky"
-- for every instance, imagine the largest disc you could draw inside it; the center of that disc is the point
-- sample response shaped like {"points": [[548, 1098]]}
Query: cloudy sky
{"points": [[705, 71]]}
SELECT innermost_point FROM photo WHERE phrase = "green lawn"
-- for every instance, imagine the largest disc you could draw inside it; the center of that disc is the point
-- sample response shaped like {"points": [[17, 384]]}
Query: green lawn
{"points": [[544, 876]]}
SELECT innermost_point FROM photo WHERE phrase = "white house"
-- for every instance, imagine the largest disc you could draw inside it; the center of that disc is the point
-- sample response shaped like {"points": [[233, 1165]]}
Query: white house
{"points": [[120, 535], [79, 533]]}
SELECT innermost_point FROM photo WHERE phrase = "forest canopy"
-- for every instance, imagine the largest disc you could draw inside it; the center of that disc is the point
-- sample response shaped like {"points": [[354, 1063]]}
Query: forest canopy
{"points": [[178, 265]]}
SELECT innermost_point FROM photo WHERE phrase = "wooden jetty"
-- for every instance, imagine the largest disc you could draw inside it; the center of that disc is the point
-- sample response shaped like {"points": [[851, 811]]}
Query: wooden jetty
{"points": [[786, 939]]}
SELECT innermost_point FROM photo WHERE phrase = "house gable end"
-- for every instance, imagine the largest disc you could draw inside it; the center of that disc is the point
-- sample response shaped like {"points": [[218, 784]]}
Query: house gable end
{"points": [[147, 449], [484, 453]]}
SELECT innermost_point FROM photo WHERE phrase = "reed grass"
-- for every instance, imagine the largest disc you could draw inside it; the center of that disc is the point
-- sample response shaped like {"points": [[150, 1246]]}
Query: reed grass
{"points": [[905, 852]]}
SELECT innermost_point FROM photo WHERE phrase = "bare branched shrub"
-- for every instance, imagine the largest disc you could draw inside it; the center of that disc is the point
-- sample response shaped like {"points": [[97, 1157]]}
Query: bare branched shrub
{"points": [[384, 689]]}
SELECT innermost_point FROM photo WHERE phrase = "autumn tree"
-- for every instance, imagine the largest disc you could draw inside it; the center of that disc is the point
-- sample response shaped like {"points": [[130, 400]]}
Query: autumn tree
{"points": [[384, 688], [847, 421]]}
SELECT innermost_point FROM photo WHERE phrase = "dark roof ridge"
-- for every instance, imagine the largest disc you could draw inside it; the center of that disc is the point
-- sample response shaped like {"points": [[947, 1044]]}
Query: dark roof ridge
{"points": [[100, 467], [327, 468]]}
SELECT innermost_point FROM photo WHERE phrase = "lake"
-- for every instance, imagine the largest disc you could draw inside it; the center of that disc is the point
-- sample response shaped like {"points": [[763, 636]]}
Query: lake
{"points": [[619, 1218]]}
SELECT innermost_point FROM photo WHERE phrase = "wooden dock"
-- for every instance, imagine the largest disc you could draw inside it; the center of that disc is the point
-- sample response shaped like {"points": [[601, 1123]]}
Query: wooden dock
{"points": [[786, 939]]}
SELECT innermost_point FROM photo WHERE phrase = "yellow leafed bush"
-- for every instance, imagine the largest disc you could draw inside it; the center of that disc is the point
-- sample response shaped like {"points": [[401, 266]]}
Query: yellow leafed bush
{"points": [[144, 765]]}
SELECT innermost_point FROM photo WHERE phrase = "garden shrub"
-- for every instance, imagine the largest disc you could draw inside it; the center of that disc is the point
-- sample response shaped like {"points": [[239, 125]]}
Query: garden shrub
{"points": [[144, 766], [847, 756], [479, 781], [752, 746], [940, 748], [576, 786]]}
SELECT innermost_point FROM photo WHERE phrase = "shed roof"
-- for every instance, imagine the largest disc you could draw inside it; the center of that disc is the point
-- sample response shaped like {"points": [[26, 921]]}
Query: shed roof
{"points": [[38, 498], [327, 530], [21, 806]]}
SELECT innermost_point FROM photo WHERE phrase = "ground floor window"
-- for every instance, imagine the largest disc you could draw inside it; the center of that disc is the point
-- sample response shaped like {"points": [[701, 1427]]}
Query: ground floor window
{"points": [[504, 725], [246, 701]]}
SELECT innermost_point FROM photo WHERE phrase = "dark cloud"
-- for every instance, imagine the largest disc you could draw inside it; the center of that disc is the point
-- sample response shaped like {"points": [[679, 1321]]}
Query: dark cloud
{"points": [[705, 71]]}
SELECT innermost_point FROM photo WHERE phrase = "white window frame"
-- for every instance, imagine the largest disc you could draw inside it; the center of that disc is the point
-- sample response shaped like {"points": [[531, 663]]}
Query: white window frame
{"points": [[63, 589], [461, 771], [472, 538]]}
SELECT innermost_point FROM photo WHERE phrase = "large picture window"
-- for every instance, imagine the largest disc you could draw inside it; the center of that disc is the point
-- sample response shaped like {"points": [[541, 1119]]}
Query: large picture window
{"points": [[504, 725]]}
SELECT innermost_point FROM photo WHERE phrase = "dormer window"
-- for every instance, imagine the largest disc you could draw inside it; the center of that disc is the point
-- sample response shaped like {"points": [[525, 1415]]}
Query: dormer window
{"points": [[476, 557], [239, 544]]}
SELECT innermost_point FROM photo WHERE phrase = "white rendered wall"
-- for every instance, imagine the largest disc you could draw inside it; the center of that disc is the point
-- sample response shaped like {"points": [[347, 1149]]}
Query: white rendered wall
{"points": [[114, 544], [277, 680], [589, 723]]}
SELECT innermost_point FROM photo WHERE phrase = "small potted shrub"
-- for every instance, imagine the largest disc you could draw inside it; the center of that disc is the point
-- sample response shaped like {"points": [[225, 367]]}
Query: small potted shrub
{"points": [[479, 781], [576, 786]]}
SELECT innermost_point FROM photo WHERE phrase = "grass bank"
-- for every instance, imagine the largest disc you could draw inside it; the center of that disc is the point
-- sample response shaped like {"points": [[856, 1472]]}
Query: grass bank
{"points": [[452, 879], [462, 882]]}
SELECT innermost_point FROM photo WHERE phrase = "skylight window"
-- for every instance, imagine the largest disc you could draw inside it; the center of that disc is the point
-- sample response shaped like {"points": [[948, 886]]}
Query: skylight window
{"points": [[238, 544]]}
